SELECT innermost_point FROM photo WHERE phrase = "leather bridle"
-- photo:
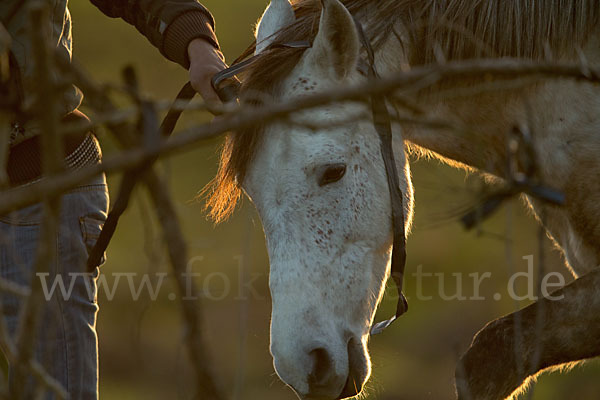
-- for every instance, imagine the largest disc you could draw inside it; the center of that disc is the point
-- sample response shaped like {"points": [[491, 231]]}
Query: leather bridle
{"points": [[383, 126], [228, 90]]}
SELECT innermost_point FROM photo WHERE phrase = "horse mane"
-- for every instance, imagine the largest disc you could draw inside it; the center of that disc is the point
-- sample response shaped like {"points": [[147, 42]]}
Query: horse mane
{"points": [[452, 29], [529, 29]]}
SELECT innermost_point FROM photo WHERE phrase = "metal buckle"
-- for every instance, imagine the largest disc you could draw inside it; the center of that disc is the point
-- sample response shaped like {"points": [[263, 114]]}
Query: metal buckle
{"points": [[16, 130]]}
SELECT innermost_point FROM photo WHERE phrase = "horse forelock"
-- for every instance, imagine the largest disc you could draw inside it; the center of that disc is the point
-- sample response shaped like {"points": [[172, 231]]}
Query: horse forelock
{"points": [[458, 29], [262, 81]]}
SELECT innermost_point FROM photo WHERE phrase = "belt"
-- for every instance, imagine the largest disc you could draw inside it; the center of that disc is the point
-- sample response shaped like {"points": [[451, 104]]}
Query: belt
{"points": [[25, 159]]}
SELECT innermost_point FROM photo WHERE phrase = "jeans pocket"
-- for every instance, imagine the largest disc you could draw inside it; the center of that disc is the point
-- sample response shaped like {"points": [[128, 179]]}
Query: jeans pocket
{"points": [[91, 227]]}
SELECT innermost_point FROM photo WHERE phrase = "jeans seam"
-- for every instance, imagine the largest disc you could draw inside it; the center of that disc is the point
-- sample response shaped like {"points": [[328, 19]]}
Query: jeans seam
{"points": [[62, 322]]}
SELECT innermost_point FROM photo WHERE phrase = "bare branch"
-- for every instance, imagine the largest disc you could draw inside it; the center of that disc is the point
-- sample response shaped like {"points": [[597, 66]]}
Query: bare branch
{"points": [[47, 112], [247, 116], [188, 294]]}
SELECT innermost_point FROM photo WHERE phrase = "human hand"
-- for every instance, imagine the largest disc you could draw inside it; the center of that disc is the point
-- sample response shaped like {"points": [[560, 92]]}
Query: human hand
{"points": [[205, 62]]}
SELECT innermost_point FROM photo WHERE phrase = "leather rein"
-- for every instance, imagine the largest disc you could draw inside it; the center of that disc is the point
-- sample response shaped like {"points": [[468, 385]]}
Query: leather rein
{"points": [[227, 92]]}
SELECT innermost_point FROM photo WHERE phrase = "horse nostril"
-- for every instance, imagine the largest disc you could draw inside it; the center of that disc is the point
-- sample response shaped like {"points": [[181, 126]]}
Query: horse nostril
{"points": [[354, 381], [322, 367]]}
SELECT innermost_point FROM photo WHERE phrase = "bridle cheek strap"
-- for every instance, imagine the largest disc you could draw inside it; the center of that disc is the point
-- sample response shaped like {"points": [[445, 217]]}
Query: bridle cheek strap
{"points": [[383, 126], [381, 119]]}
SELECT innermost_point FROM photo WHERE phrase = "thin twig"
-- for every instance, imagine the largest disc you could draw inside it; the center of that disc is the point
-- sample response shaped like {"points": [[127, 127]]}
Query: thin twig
{"points": [[46, 255], [14, 288], [244, 264], [540, 304], [206, 386]]}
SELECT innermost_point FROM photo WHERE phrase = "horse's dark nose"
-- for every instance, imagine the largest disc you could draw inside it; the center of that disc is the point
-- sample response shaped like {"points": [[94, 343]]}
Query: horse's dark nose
{"points": [[323, 369], [323, 372], [323, 378]]}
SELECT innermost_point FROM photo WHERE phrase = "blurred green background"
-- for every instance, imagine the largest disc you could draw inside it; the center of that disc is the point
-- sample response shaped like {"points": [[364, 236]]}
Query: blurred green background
{"points": [[142, 355]]}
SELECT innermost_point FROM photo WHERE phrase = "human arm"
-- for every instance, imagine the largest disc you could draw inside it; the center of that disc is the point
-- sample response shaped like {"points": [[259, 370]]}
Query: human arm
{"points": [[183, 31]]}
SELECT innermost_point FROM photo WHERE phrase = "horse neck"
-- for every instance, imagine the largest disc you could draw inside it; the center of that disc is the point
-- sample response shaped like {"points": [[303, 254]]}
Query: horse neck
{"points": [[489, 118], [452, 146]]}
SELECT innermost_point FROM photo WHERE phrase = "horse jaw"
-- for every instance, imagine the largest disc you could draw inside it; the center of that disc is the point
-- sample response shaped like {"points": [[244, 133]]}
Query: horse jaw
{"points": [[277, 16]]}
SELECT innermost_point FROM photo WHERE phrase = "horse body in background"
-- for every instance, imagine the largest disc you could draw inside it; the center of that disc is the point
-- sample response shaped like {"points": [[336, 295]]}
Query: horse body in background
{"points": [[320, 188]]}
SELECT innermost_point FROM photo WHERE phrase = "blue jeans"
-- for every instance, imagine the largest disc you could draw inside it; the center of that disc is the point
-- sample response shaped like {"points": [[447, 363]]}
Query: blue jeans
{"points": [[66, 343]]}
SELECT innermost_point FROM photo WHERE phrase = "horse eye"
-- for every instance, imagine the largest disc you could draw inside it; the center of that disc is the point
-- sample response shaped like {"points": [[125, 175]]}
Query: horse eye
{"points": [[332, 173]]}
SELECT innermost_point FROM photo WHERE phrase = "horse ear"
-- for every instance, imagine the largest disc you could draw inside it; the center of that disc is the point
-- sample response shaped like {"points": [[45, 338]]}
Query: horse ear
{"points": [[336, 46], [278, 15]]}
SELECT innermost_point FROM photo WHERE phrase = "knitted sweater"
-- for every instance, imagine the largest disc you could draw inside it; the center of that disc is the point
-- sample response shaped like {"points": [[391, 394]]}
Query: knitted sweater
{"points": [[170, 25]]}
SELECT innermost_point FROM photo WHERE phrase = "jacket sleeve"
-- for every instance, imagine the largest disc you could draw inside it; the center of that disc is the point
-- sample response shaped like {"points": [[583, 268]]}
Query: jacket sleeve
{"points": [[170, 25]]}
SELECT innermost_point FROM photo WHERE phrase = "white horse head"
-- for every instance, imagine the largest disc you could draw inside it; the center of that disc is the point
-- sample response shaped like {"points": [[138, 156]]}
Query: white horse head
{"points": [[324, 202]]}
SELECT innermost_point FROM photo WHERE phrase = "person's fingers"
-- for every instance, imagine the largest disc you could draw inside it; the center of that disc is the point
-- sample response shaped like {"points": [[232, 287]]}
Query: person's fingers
{"points": [[205, 62], [201, 82]]}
